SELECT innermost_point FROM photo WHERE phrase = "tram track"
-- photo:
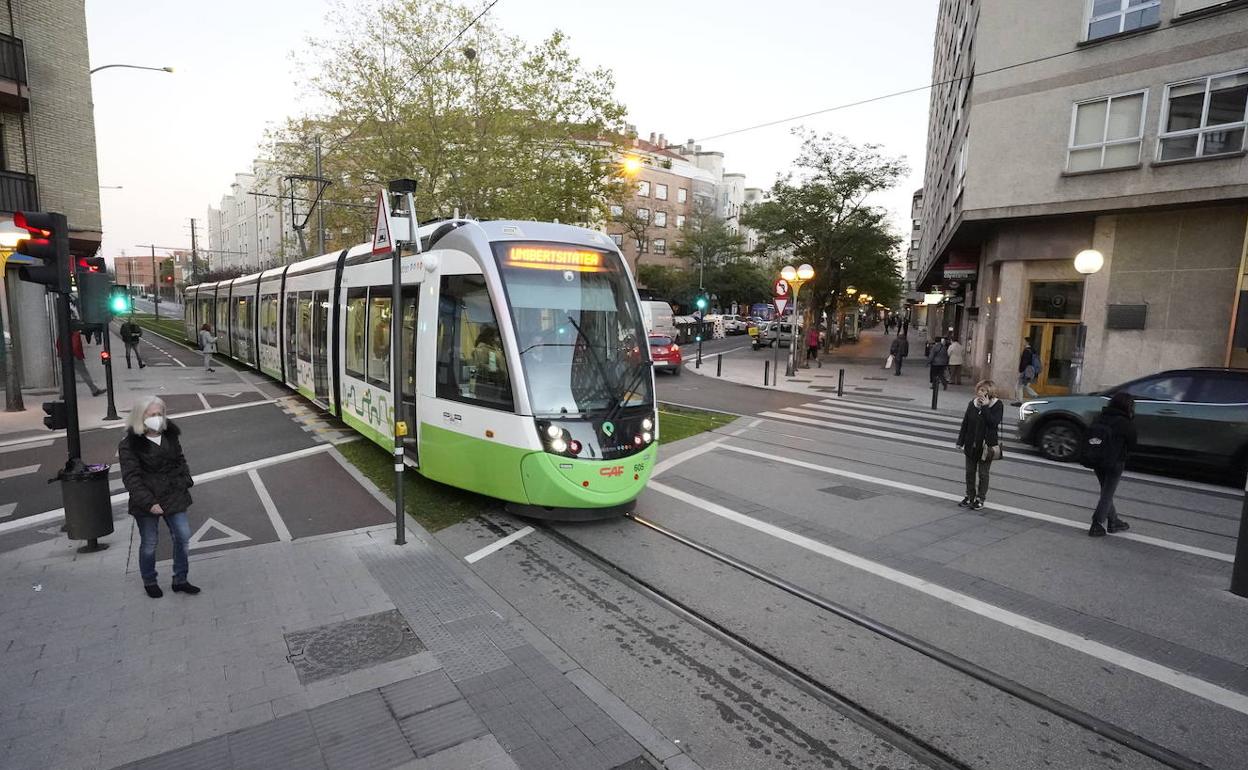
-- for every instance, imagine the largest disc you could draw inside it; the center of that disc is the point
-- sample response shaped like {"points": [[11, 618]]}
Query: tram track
{"points": [[905, 739]]}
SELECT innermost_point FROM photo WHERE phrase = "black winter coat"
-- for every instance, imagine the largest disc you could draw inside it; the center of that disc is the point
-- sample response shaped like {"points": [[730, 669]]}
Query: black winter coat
{"points": [[980, 427], [155, 474], [1122, 428]]}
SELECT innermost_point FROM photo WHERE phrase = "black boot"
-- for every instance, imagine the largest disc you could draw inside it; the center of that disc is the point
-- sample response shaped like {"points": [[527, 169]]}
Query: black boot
{"points": [[185, 588], [1118, 526], [153, 590], [1096, 530]]}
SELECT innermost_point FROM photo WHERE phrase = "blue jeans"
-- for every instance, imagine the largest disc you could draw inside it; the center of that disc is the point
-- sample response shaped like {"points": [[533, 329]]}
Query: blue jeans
{"points": [[149, 532]]}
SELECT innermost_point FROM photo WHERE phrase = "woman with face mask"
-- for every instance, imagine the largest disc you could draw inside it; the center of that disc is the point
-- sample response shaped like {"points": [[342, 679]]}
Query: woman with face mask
{"points": [[158, 479], [979, 439]]}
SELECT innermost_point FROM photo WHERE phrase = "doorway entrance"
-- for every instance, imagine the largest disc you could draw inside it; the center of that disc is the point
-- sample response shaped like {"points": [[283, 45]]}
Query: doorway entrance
{"points": [[1052, 328]]}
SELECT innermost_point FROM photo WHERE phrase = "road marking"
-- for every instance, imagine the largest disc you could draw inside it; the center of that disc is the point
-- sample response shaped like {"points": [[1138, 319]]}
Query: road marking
{"points": [[204, 401], [279, 526], [15, 472], [7, 509], [32, 442], [121, 497], [1049, 518], [229, 535], [681, 457], [477, 556], [1163, 674]]}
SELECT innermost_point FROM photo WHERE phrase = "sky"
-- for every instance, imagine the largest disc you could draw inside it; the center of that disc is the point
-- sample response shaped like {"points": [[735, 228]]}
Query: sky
{"points": [[689, 70]]}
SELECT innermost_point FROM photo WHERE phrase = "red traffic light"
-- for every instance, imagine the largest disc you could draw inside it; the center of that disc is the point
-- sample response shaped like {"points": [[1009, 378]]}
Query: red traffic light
{"points": [[169, 279], [90, 264], [104, 356], [21, 220]]}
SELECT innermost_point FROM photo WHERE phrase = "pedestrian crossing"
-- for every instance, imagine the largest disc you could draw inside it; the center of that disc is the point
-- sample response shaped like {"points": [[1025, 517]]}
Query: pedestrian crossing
{"points": [[932, 428]]}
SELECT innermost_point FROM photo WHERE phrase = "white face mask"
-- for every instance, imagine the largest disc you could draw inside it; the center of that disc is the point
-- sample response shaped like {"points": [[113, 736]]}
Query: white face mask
{"points": [[155, 423]]}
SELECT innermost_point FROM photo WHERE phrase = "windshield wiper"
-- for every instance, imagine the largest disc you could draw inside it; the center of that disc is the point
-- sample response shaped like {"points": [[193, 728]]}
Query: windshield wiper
{"points": [[599, 365], [636, 379]]}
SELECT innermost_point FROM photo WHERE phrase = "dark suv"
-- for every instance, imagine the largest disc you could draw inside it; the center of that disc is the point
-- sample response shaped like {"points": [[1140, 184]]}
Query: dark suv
{"points": [[1192, 417]]}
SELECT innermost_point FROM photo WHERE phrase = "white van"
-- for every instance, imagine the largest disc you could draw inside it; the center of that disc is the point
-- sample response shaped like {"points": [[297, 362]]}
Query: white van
{"points": [[657, 316]]}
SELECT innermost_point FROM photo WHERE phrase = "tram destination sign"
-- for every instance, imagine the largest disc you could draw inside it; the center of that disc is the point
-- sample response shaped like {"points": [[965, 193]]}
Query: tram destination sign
{"points": [[553, 258]]}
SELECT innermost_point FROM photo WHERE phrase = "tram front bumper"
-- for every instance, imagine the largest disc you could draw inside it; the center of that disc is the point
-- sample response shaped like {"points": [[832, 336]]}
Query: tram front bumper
{"points": [[555, 481]]}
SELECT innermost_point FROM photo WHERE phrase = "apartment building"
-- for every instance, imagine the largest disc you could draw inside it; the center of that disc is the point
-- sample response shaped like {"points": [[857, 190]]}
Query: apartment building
{"points": [[1114, 125], [251, 228], [47, 153]]}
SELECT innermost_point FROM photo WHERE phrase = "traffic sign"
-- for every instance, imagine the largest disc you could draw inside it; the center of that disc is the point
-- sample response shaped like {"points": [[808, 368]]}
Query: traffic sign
{"points": [[781, 291], [382, 241]]}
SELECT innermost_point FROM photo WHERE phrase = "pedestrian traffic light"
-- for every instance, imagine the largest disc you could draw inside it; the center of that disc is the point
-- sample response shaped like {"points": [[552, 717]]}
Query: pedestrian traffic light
{"points": [[93, 297], [57, 418], [119, 300], [48, 243], [91, 265]]}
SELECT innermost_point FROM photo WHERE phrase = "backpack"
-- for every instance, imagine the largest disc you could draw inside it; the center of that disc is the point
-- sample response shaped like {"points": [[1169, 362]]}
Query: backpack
{"points": [[1099, 451]]}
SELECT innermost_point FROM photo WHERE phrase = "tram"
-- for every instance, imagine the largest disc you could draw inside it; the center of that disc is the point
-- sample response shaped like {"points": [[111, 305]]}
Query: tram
{"points": [[526, 371]]}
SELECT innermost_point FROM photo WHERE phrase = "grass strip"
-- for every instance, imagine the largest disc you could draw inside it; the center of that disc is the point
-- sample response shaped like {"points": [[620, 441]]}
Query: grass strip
{"points": [[676, 423], [436, 506]]}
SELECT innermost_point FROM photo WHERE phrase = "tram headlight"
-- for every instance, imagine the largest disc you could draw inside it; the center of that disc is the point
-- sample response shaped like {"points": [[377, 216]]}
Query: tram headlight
{"points": [[554, 431], [559, 445], [647, 424], [647, 437]]}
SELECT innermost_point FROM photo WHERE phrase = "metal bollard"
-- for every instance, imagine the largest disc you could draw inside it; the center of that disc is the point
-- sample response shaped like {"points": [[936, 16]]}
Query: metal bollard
{"points": [[935, 392], [719, 365], [840, 383], [766, 372], [1239, 568]]}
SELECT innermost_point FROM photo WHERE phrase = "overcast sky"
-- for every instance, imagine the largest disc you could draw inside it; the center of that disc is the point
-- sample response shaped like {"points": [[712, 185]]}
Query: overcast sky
{"points": [[690, 69]]}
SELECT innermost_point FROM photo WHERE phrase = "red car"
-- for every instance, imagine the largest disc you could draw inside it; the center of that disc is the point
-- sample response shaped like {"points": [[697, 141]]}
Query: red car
{"points": [[665, 353]]}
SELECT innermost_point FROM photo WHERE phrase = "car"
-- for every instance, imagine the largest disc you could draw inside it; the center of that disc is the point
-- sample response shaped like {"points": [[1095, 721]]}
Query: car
{"points": [[1191, 417], [665, 353], [735, 324], [770, 334]]}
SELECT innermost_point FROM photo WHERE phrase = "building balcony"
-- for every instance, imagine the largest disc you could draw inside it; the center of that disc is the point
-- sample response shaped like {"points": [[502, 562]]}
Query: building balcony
{"points": [[14, 93], [18, 192]]}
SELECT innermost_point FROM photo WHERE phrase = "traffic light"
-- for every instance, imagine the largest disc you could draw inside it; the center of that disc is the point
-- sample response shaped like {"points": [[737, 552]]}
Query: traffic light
{"points": [[94, 297], [57, 418], [91, 265], [49, 244], [119, 300], [701, 302]]}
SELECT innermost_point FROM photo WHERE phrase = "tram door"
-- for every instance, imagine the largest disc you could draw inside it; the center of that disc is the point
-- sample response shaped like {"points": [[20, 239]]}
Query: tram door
{"points": [[320, 349], [292, 336], [411, 303]]}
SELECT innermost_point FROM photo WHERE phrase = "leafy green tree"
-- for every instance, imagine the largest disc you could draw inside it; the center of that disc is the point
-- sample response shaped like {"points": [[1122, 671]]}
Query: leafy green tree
{"points": [[707, 241], [820, 214], [491, 126], [671, 283]]}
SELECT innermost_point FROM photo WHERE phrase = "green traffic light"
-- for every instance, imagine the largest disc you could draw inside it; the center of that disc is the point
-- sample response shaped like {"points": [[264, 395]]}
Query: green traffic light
{"points": [[119, 305]]}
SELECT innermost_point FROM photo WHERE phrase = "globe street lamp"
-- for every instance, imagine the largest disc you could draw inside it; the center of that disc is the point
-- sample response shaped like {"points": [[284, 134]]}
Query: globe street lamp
{"points": [[1087, 262], [796, 277]]}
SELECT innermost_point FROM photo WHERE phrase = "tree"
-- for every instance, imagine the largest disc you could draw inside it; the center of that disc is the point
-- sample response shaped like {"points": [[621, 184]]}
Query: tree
{"points": [[706, 240], [491, 127], [821, 215], [671, 283]]}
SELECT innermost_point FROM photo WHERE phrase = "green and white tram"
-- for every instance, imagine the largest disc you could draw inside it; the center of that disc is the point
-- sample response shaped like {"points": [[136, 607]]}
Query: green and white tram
{"points": [[526, 370]]}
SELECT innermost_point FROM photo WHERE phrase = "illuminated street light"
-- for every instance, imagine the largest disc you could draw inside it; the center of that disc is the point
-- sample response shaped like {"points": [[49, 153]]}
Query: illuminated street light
{"points": [[1089, 261], [632, 165], [796, 277]]}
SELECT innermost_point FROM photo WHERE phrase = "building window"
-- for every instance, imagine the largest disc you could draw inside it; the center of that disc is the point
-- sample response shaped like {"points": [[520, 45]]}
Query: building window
{"points": [[1107, 133], [660, 192], [643, 215], [618, 238], [682, 195], [680, 220], [643, 189], [617, 211], [660, 219], [1109, 17], [660, 245], [1204, 117], [641, 246]]}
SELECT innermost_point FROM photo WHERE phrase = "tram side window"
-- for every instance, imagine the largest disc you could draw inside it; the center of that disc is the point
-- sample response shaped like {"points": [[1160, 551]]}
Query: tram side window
{"points": [[268, 320], [409, 342], [357, 326], [472, 364], [242, 323], [305, 326], [379, 336], [222, 327]]}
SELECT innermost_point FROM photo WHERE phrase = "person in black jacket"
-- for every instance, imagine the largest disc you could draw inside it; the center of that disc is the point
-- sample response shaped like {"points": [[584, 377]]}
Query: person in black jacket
{"points": [[158, 479], [899, 349], [979, 435], [1119, 416]]}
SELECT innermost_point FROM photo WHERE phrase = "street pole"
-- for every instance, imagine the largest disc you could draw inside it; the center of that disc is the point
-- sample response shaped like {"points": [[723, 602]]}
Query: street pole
{"points": [[1239, 572], [320, 206], [790, 369], [111, 414], [155, 287], [195, 254], [64, 336], [12, 365], [407, 188]]}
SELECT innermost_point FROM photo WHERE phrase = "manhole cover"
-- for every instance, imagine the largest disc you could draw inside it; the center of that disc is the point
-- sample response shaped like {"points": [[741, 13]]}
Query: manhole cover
{"points": [[337, 648], [852, 493]]}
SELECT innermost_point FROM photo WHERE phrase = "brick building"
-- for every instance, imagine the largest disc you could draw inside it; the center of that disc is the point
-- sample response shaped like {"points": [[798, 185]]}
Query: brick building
{"points": [[47, 151], [137, 272]]}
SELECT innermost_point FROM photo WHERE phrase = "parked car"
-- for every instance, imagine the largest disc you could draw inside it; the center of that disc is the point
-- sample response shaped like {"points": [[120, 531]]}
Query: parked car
{"points": [[775, 332], [665, 353], [735, 324], [1192, 417]]}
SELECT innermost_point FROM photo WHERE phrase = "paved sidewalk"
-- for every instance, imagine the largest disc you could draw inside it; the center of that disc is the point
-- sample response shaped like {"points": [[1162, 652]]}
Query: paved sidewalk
{"points": [[333, 651], [865, 377]]}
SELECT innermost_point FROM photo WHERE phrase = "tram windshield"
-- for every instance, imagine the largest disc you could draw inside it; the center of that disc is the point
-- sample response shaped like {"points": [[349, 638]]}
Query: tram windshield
{"points": [[578, 326]]}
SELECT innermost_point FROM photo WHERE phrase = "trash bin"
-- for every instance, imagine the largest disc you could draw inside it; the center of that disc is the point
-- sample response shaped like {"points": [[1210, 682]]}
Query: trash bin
{"points": [[88, 510]]}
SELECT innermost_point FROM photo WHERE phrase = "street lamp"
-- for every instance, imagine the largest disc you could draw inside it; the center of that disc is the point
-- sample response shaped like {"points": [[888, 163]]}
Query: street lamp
{"points": [[1087, 262], [796, 277], [130, 67]]}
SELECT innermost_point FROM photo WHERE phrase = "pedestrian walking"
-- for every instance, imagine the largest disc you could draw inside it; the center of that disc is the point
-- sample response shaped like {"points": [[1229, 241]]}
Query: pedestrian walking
{"points": [[955, 362], [938, 361], [980, 440], [207, 345], [812, 344], [905, 327], [156, 475], [130, 333], [1110, 440], [899, 349], [80, 361], [1028, 371]]}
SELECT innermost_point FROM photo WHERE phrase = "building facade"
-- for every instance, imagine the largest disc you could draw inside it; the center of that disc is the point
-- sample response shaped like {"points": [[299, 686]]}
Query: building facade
{"points": [[250, 229], [137, 271], [1114, 125], [47, 153]]}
